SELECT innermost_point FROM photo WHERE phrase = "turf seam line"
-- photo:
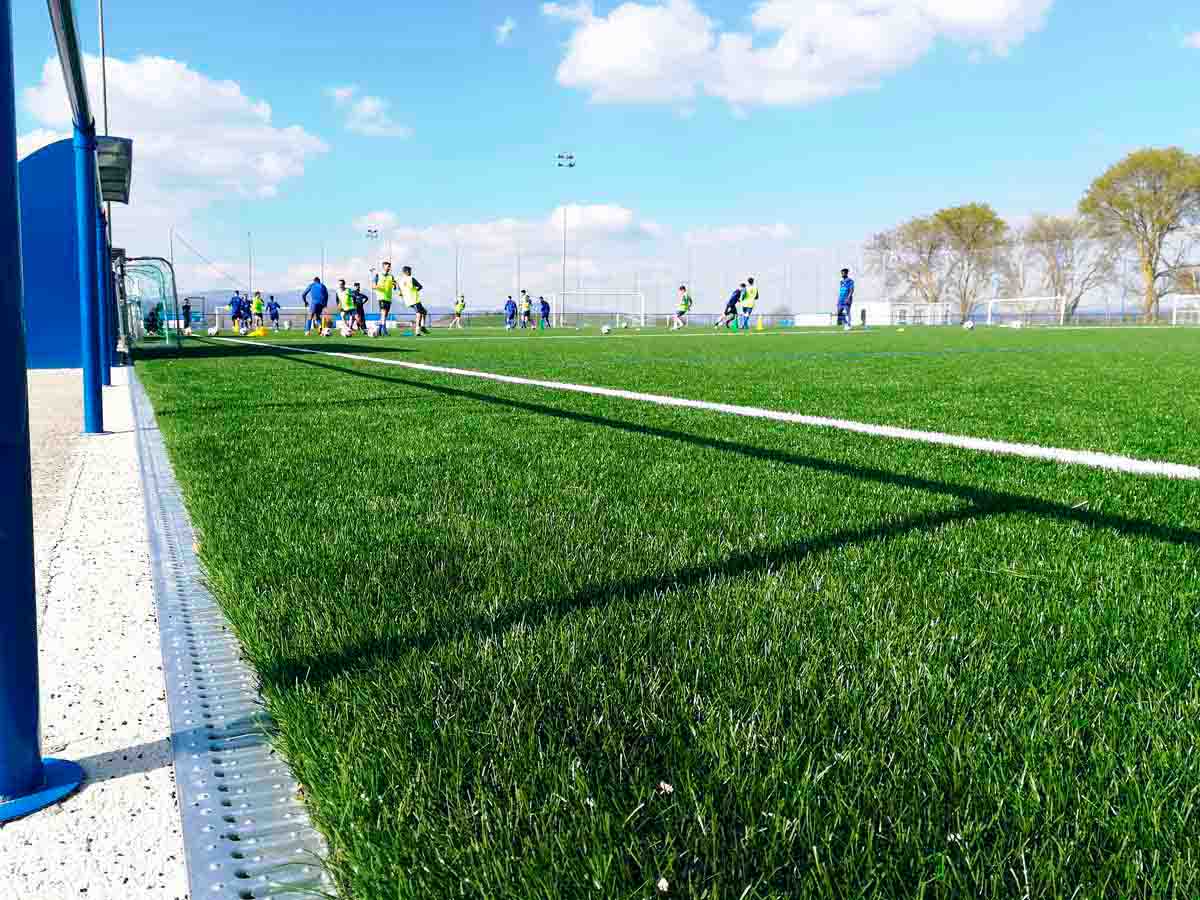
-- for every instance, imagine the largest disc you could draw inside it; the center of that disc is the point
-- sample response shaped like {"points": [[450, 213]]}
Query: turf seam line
{"points": [[1088, 458]]}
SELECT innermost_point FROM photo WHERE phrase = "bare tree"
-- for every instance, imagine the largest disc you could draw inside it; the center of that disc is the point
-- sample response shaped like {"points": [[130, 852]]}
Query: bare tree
{"points": [[912, 259], [974, 236], [1016, 264], [1075, 257]]}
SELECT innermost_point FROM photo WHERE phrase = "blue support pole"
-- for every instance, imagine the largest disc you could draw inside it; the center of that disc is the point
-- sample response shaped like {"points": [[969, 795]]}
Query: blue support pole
{"points": [[102, 300], [89, 307], [27, 782]]}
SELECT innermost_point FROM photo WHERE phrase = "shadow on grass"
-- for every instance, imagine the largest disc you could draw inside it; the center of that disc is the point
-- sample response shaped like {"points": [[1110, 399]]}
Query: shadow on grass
{"points": [[360, 657], [207, 348], [984, 499]]}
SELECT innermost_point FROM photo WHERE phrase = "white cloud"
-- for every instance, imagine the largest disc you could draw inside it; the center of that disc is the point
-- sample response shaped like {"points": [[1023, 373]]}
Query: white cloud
{"points": [[366, 114], [505, 29], [195, 139], [383, 219], [1192, 40], [796, 52], [734, 234]]}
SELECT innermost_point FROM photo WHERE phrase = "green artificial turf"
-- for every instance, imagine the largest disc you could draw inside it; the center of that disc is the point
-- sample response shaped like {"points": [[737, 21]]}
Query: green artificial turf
{"points": [[528, 644]]}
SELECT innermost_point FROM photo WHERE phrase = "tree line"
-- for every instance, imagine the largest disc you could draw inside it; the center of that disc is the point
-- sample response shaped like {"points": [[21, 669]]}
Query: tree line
{"points": [[1147, 206]]}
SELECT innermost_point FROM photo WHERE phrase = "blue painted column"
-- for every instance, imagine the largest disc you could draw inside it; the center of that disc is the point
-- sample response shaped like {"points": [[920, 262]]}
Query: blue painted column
{"points": [[102, 300], [89, 307], [26, 781]]}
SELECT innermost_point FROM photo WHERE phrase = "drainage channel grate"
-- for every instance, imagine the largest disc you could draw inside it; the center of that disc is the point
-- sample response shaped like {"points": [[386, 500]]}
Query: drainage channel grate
{"points": [[246, 833]]}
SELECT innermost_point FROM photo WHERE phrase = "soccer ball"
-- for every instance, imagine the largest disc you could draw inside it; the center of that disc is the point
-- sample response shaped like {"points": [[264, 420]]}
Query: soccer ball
{"points": [[214, 331], [372, 329], [969, 325], [325, 332], [287, 326], [605, 329], [624, 324]]}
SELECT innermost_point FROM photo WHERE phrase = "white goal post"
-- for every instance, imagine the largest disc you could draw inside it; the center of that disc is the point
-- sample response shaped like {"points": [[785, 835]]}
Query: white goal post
{"points": [[1186, 310], [599, 307], [1021, 311]]}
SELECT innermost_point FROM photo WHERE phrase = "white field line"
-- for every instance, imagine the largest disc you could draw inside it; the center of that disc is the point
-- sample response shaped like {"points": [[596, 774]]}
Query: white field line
{"points": [[1087, 458], [708, 333]]}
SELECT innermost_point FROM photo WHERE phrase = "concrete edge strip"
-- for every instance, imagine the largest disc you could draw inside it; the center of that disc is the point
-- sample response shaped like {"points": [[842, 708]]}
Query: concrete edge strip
{"points": [[245, 831], [1089, 458]]}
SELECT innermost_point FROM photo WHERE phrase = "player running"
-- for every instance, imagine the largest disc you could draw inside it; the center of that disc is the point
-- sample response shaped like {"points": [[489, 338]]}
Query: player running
{"points": [[316, 295], [257, 306], [384, 285], [410, 290], [510, 314], [235, 309], [679, 320], [459, 305], [749, 298], [731, 307], [273, 312], [544, 309], [845, 300]]}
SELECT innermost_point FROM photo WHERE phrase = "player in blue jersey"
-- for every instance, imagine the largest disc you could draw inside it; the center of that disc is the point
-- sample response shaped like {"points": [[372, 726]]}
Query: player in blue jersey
{"points": [[731, 307], [544, 309], [273, 312], [315, 296], [510, 314], [845, 300]]}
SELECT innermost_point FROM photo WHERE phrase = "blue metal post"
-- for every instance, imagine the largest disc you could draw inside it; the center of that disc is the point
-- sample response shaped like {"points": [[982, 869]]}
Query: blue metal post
{"points": [[89, 307], [26, 781], [102, 300]]}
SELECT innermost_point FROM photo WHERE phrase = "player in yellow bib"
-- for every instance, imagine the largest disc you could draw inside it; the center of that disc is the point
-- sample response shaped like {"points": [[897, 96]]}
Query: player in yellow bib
{"points": [[679, 320], [459, 306], [257, 306], [385, 285], [526, 311], [410, 290], [749, 298], [345, 303]]}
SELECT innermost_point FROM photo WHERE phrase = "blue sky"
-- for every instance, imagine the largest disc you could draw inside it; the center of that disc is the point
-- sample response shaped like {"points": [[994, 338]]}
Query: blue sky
{"points": [[694, 125]]}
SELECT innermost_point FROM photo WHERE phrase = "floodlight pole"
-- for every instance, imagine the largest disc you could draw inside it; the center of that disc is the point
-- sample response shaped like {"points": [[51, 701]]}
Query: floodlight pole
{"points": [[565, 161]]}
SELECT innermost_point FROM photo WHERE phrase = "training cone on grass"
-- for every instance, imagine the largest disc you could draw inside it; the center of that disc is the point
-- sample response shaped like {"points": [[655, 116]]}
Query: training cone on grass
{"points": [[759, 326], [259, 332]]}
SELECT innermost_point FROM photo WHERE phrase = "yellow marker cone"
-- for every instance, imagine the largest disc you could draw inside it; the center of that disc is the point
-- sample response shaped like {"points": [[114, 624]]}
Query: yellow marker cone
{"points": [[759, 326]]}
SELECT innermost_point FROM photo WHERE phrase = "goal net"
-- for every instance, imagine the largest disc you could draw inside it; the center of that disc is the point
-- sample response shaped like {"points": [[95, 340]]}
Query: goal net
{"points": [[1186, 311], [1019, 312], [585, 309]]}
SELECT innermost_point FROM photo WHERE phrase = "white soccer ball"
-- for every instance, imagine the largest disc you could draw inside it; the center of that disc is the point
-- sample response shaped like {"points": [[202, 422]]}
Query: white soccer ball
{"points": [[287, 326], [969, 325], [372, 329], [325, 332], [605, 329], [624, 324], [214, 331]]}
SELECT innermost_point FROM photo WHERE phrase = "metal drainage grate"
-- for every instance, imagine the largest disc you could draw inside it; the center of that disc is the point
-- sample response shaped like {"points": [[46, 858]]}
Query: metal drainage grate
{"points": [[245, 831]]}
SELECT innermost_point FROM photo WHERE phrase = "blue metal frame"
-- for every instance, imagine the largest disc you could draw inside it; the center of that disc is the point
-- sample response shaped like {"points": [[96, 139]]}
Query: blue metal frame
{"points": [[102, 300], [89, 307], [26, 781]]}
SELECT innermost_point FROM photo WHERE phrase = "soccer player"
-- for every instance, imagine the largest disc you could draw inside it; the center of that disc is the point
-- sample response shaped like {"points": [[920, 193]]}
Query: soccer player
{"points": [[845, 300], [749, 298], [187, 317], [235, 309], [273, 312], [257, 305], [544, 309], [526, 311], [360, 306], [385, 284], [459, 305], [410, 290], [345, 304], [316, 295], [731, 307], [679, 320], [510, 314]]}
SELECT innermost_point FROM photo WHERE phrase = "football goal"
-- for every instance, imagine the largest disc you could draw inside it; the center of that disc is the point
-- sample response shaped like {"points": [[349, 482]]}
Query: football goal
{"points": [[582, 309], [1186, 310], [1019, 312]]}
